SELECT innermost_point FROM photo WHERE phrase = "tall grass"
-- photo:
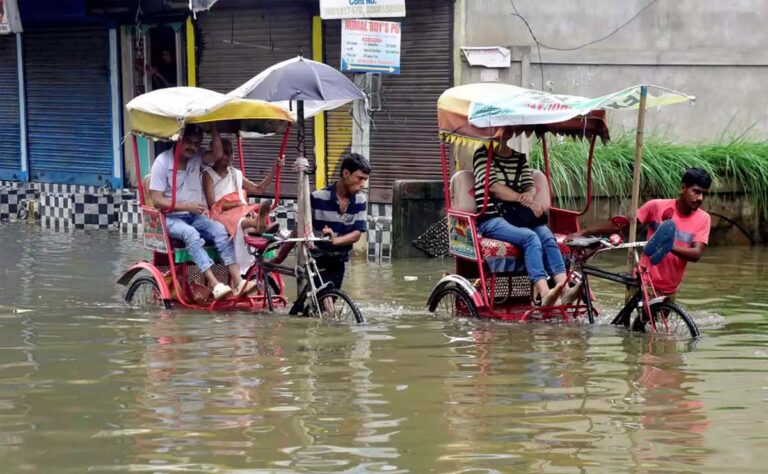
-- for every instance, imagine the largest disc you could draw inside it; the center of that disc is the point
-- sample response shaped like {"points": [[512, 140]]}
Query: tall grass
{"points": [[740, 165]]}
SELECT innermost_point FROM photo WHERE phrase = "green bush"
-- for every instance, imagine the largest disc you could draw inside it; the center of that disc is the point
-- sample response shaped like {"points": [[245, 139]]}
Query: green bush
{"points": [[740, 164]]}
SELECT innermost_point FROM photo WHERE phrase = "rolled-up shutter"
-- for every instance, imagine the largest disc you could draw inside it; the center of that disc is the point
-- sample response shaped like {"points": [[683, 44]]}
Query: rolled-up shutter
{"points": [[69, 120], [404, 143], [236, 45], [10, 163]]}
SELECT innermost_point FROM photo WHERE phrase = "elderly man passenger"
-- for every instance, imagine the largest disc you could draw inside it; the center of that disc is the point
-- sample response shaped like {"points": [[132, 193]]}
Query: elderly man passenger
{"points": [[188, 221]]}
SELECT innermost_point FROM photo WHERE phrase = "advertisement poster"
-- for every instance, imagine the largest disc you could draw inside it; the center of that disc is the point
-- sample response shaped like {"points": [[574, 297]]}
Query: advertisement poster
{"points": [[460, 241], [154, 237], [340, 9], [370, 46]]}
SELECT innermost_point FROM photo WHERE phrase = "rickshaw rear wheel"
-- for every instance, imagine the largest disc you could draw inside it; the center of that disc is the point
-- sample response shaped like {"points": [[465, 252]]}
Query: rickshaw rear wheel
{"points": [[452, 302], [670, 320], [145, 293]]}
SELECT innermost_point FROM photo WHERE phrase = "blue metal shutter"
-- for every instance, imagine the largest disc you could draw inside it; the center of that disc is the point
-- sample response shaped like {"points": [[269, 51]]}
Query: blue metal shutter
{"points": [[69, 121], [10, 161]]}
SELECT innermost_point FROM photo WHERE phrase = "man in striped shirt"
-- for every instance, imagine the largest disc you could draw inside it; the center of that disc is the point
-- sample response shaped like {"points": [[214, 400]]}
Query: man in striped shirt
{"points": [[339, 211]]}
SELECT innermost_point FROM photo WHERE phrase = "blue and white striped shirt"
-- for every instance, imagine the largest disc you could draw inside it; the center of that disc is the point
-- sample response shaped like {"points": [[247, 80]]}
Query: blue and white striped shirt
{"points": [[326, 212]]}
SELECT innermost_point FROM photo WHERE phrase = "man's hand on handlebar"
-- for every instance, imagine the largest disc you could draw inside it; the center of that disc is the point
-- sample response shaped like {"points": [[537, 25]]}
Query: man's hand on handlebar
{"points": [[327, 233]]}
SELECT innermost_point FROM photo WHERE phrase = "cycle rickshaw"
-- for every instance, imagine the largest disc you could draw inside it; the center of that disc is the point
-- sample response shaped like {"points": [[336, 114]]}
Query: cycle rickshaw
{"points": [[171, 278], [490, 280]]}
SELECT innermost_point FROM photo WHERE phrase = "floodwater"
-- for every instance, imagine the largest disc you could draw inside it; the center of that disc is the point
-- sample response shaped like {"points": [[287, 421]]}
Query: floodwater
{"points": [[89, 386]]}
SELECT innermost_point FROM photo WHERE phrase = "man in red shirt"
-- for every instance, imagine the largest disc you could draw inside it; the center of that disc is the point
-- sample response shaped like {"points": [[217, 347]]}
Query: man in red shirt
{"points": [[691, 237]]}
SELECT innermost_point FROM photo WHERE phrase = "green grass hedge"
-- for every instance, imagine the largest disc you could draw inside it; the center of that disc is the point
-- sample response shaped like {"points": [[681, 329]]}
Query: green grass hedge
{"points": [[740, 164]]}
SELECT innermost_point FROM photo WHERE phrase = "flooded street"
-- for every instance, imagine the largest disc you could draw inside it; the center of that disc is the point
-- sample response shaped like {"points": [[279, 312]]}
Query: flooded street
{"points": [[87, 385]]}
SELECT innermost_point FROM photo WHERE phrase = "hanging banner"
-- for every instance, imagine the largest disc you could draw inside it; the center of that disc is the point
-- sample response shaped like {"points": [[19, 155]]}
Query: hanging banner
{"points": [[528, 107], [370, 46], [10, 22], [339, 9]]}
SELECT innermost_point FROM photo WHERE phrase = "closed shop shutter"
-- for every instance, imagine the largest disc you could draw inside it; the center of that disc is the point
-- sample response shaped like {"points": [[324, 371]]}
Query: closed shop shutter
{"points": [[236, 45], [10, 163], [338, 122], [69, 120], [404, 139]]}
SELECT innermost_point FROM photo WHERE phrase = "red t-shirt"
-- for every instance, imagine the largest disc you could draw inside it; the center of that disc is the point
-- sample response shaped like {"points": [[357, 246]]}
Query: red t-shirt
{"points": [[668, 274]]}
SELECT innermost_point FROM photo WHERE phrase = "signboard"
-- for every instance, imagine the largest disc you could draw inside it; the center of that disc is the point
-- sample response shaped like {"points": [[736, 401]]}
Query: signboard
{"points": [[370, 46], [9, 17], [340, 9]]}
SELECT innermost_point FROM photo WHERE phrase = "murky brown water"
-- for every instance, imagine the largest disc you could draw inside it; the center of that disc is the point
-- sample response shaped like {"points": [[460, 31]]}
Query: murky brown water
{"points": [[87, 386]]}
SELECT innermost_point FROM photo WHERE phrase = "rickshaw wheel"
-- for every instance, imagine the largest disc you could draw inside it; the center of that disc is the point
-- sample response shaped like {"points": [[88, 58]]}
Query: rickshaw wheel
{"points": [[145, 293], [452, 302], [670, 320], [336, 305]]}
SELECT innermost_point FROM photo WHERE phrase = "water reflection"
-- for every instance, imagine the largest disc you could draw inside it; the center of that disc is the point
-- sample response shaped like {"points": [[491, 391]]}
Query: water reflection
{"points": [[87, 385]]}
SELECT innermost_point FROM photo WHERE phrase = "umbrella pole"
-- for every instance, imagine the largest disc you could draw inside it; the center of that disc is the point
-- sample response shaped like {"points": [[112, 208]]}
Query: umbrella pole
{"points": [[303, 210], [636, 176]]}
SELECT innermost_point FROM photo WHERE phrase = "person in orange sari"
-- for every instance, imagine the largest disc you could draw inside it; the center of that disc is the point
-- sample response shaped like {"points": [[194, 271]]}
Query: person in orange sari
{"points": [[226, 190]]}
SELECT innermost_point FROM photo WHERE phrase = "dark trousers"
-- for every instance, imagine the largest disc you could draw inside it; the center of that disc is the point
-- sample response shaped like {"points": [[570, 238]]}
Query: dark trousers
{"points": [[331, 269]]}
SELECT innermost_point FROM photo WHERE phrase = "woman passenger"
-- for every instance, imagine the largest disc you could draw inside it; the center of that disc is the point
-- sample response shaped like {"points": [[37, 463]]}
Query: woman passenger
{"points": [[226, 191], [511, 181]]}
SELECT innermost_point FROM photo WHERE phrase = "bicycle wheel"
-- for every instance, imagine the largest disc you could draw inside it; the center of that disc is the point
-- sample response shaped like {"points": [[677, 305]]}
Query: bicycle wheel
{"points": [[336, 305], [670, 320], [144, 293], [452, 302]]}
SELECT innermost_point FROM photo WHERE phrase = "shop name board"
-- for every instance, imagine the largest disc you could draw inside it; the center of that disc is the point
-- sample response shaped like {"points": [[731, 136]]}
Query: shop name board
{"points": [[340, 9], [9, 17], [370, 46]]}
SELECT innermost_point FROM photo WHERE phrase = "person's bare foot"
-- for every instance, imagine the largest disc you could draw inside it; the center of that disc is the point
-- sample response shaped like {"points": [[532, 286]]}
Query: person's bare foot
{"points": [[552, 295]]}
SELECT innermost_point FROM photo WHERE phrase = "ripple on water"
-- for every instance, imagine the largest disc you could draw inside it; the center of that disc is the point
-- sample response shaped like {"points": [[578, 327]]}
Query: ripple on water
{"points": [[89, 385]]}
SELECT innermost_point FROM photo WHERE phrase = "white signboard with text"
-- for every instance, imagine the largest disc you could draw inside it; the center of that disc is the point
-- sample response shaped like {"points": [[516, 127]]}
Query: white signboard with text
{"points": [[339, 9], [370, 46], [9, 17]]}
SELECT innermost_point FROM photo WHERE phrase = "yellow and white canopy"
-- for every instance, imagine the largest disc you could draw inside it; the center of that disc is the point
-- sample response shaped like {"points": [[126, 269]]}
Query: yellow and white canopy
{"points": [[163, 114]]}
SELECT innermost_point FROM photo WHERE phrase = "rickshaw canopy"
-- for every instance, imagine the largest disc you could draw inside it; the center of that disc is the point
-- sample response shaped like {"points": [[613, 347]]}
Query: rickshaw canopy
{"points": [[163, 114], [485, 111]]}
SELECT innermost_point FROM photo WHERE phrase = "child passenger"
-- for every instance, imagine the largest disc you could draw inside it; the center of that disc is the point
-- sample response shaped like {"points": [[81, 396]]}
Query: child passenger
{"points": [[226, 191]]}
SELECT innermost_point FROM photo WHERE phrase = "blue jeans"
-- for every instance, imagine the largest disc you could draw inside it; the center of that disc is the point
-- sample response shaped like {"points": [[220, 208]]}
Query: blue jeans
{"points": [[194, 230], [539, 246]]}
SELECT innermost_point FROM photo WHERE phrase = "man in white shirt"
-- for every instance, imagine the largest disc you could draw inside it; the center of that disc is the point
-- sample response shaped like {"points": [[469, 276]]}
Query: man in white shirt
{"points": [[188, 222]]}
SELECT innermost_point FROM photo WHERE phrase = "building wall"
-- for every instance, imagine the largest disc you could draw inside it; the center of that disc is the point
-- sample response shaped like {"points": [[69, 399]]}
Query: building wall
{"points": [[712, 49]]}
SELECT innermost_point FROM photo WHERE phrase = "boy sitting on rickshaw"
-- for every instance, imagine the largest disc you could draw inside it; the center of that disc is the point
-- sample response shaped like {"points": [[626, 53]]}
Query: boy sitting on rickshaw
{"points": [[188, 222], [692, 223]]}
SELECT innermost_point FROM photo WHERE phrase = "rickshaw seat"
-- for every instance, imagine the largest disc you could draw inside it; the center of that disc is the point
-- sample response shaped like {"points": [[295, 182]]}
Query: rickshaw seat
{"points": [[259, 243], [498, 248], [145, 184]]}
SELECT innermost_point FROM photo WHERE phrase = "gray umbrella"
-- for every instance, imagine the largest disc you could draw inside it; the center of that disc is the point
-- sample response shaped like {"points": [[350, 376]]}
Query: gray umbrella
{"points": [[312, 84], [314, 87], [300, 79]]}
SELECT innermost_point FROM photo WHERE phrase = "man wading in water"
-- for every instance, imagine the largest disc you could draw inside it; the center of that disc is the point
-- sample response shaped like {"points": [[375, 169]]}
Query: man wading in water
{"points": [[691, 237], [339, 212]]}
